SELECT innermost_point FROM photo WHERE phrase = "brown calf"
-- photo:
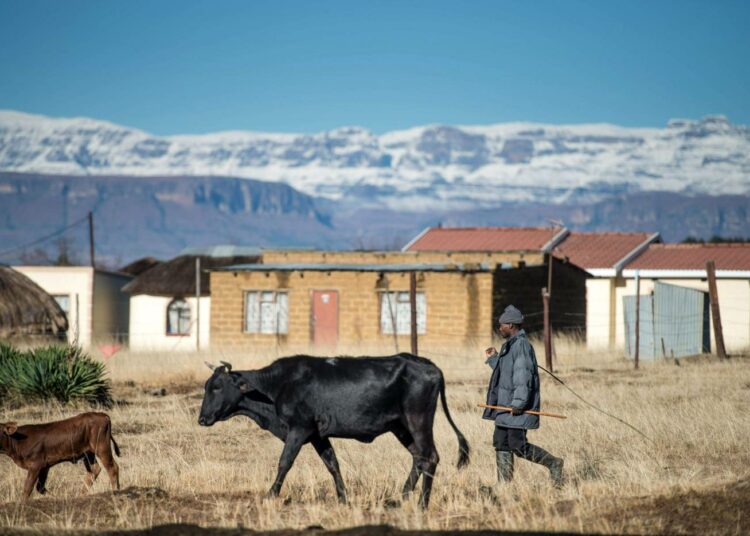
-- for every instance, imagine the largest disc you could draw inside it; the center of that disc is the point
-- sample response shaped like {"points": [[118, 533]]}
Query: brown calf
{"points": [[37, 447]]}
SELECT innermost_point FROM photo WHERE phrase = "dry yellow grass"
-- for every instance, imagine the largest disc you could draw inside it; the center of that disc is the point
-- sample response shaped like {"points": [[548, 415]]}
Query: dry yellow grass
{"points": [[177, 471]]}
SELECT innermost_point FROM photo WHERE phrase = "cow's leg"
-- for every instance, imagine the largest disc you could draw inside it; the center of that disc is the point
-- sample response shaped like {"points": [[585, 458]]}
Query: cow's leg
{"points": [[325, 450], [294, 441], [104, 453], [403, 435], [31, 477], [42, 481], [420, 427], [92, 470]]}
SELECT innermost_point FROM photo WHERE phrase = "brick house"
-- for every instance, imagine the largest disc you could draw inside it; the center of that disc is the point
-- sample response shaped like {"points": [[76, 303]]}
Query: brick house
{"points": [[351, 308]]}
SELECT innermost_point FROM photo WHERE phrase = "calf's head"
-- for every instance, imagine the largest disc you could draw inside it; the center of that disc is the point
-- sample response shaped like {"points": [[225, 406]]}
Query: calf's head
{"points": [[222, 394], [7, 429]]}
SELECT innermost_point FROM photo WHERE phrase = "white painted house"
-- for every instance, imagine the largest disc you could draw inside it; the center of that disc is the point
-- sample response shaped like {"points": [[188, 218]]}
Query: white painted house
{"points": [[603, 255], [684, 266], [170, 303], [92, 299]]}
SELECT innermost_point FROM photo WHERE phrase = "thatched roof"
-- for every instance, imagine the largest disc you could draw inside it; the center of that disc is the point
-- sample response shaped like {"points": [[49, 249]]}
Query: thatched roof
{"points": [[136, 268], [26, 310], [177, 277]]}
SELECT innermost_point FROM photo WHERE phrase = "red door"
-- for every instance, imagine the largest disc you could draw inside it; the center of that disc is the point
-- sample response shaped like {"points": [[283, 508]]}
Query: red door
{"points": [[325, 317]]}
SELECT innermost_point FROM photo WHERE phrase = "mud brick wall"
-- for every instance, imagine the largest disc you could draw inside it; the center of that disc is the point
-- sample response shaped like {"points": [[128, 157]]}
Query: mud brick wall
{"points": [[459, 308]]}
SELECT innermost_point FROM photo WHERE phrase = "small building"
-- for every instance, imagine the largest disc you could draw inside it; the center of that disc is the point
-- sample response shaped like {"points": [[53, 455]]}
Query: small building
{"points": [[27, 313], [170, 303], [521, 282], [603, 255], [351, 308], [91, 298]]}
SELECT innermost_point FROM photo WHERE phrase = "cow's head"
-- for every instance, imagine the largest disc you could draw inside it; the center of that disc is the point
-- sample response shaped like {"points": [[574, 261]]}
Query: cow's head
{"points": [[222, 394], [7, 429]]}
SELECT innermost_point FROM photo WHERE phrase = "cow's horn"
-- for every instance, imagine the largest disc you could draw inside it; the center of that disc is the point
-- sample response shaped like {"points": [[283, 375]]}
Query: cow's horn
{"points": [[209, 365], [228, 366]]}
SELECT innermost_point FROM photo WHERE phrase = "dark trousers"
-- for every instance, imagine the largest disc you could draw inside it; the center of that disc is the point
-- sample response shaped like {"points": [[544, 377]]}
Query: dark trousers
{"points": [[509, 439], [514, 440]]}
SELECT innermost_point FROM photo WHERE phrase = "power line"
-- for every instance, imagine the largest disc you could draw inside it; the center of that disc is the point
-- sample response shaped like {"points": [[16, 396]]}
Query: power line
{"points": [[42, 239]]}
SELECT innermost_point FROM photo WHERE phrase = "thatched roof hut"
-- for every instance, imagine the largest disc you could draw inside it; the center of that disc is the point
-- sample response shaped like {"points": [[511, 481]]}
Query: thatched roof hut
{"points": [[177, 276], [139, 266], [27, 312]]}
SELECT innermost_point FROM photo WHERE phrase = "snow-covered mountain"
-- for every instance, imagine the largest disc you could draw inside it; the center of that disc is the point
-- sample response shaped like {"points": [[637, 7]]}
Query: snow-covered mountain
{"points": [[423, 168]]}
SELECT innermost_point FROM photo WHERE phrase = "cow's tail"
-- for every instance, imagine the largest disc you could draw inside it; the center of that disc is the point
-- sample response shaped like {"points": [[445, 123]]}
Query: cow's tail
{"points": [[114, 444], [463, 445]]}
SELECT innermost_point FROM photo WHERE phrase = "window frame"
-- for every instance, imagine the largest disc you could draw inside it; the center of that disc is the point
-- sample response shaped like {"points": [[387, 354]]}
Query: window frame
{"points": [[386, 328], [189, 310], [280, 320]]}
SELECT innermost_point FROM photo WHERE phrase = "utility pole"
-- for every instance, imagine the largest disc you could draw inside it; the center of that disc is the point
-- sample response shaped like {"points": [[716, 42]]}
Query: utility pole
{"points": [[637, 317], [713, 296], [91, 239], [198, 304], [413, 307]]}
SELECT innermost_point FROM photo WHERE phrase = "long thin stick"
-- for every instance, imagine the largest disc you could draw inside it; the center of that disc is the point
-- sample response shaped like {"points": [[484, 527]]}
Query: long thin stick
{"points": [[532, 412]]}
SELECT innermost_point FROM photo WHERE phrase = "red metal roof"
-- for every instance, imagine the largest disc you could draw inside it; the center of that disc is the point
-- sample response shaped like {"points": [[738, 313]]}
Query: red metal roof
{"points": [[599, 250], [693, 257], [483, 239]]}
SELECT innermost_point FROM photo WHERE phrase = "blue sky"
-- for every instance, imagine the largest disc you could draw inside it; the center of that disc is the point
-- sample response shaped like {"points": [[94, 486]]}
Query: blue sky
{"points": [[193, 67]]}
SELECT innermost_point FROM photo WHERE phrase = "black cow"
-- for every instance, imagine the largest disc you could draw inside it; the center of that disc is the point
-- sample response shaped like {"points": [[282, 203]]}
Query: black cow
{"points": [[303, 399]]}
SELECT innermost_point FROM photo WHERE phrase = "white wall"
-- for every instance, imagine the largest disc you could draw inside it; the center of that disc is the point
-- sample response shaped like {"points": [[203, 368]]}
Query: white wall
{"points": [[598, 302], [148, 324], [77, 283]]}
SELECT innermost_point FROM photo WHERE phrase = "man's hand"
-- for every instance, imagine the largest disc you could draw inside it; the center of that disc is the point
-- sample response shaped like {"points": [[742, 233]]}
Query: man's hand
{"points": [[516, 411], [490, 351]]}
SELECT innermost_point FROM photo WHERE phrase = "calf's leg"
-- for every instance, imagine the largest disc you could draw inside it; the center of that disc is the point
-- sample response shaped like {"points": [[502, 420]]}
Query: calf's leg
{"points": [[325, 450], [92, 470], [104, 453], [42, 481], [31, 477]]}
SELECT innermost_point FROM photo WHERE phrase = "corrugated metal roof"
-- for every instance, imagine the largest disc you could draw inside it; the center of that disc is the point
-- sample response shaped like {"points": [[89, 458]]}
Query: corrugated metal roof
{"points": [[319, 267], [693, 257], [483, 239], [599, 250]]}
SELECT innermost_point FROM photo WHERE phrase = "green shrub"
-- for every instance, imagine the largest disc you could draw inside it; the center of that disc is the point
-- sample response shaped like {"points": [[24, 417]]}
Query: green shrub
{"points": [[62, 373]]}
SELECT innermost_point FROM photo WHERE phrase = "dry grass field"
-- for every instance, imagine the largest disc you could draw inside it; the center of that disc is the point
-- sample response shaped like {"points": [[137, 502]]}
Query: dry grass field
{"points": [[694, 477]]}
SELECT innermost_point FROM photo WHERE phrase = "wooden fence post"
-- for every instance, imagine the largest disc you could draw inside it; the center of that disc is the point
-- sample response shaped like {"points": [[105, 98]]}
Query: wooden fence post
{"points": [[637, 317], [547, 331], [713, 296], [413, 307]]}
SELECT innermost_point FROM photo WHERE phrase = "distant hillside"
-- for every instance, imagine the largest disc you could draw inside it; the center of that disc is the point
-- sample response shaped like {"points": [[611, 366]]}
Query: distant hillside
{"points": [[159, 216]]}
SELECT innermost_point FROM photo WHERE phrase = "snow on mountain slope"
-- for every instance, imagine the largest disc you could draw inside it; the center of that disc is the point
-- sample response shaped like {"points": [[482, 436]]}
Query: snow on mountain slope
{"points": [[422, 168]]}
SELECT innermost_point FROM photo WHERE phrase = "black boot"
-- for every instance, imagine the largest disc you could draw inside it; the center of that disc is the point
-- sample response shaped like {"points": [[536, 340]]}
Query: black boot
{"points": [[504, 460], [555, 465]]}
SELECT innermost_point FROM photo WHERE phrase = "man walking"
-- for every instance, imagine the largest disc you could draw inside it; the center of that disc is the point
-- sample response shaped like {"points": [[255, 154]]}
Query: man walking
{"points": [[515, 383]]}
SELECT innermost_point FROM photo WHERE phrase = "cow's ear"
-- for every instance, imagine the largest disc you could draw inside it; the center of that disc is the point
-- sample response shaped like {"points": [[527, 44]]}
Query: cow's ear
{"points": [[10, 428], [244, 386]]}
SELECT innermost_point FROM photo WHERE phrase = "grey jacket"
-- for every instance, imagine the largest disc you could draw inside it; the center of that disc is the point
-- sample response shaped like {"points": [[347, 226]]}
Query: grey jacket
{"points": [[514, 382]]}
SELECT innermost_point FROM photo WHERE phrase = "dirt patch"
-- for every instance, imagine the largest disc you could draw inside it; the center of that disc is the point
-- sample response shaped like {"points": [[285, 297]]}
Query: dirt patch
{"points": [[721, 510]]}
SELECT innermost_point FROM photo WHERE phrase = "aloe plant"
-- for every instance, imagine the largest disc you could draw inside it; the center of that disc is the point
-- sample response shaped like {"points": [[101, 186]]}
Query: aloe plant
{"points": [[62, 373]]}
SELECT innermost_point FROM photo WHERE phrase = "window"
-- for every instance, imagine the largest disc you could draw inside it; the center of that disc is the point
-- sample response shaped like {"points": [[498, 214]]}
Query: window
{"points": [[63, 300], [266, 312], [396, 309], [178, 317]]}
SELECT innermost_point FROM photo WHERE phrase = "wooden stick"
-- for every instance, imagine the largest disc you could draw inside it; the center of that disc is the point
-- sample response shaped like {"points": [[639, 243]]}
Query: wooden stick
{"points": [[532, 412]]}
